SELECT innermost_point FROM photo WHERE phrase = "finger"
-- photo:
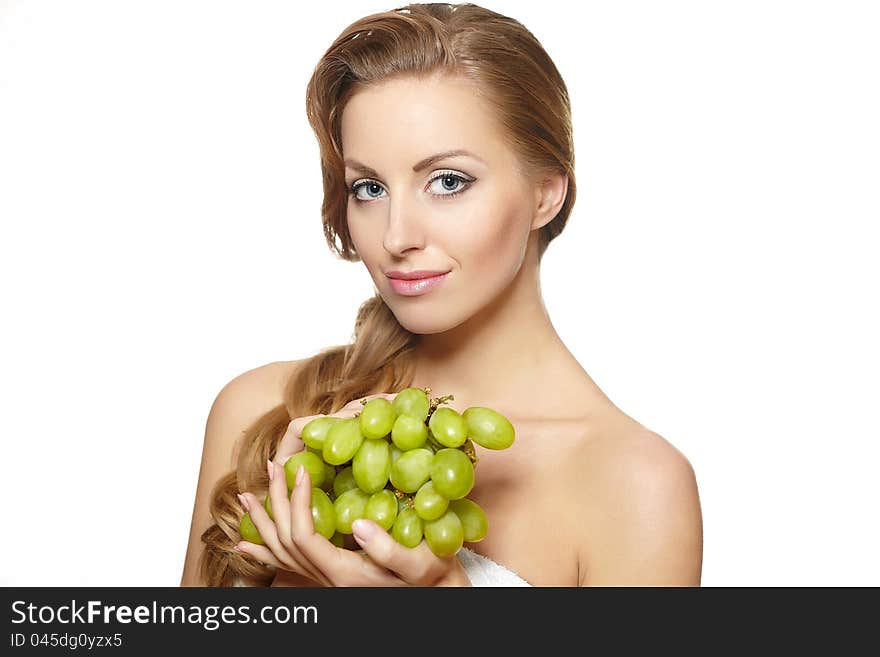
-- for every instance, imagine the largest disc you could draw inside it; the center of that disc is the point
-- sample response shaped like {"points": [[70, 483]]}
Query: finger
{"points": [[339, 566], [291, 442], [371, 573], [302, 524], [281, 512], [416, 565], [261, 553], [380, 575], [268, 532], [299, 514]]}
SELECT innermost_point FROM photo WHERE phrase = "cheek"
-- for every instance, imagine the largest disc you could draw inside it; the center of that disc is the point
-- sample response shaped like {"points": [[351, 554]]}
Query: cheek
{"points": [[495, 242], [363, 241], [367, 242]]}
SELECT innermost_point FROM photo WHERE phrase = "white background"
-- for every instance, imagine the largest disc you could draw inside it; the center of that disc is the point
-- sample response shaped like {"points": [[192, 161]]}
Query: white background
{"points": [[160, 193]]}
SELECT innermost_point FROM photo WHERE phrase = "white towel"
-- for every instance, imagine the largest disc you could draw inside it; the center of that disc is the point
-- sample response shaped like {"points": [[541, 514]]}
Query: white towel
{"points": [[483, 571]]}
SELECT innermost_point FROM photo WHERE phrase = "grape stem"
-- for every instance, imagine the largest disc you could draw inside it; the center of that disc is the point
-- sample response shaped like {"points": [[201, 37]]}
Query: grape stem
{"points": [[434, 403], [440, 400], [469, 449]]}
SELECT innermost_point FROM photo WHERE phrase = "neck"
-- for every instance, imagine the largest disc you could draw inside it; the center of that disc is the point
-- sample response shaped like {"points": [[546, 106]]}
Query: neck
{"points": [[502, 356]]}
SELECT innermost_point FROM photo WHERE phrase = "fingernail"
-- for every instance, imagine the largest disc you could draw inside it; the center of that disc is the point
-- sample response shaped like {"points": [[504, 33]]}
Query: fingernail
{"points": [[271, 467], [237, 547], [362, 529], [299, 474], [244, 502]]}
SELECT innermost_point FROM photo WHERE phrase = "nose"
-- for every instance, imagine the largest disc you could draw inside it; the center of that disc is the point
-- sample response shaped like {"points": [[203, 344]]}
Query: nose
{"points": [[405, 228]]}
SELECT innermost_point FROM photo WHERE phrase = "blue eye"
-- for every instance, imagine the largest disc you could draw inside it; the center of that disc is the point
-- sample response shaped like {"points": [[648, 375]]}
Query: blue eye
{"points": [[369, 184], [446, 178]]}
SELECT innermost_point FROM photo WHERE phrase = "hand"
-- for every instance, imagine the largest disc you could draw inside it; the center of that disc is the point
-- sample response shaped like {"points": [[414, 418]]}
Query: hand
{"points": [[292, 543]]}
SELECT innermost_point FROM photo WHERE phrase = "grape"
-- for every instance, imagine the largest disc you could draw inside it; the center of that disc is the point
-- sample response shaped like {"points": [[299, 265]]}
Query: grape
{"points": [[329, 477], [382, 508], [311, 462], [377, 418], [444, 535], [344, 481], [343, 441], [323, 513], [452, 473], [315, 431], [408, 432], [488, 428], [432, 443], [408, 528], [406, 464], [267, 504], [473, 519], [411, 470], [372, 465], [248, 530], [412, 401], [430, 504], [349, 507], [448, 427]]}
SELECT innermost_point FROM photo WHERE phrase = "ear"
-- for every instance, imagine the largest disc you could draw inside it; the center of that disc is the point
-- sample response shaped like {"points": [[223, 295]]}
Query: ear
{"points": [[549, 197]]}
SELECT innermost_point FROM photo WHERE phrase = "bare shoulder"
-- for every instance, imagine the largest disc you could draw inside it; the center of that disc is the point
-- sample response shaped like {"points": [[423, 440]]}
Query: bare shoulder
{"points": [[246, 397], [238, 404], [627, 450], [640, 504], [268, 379]]}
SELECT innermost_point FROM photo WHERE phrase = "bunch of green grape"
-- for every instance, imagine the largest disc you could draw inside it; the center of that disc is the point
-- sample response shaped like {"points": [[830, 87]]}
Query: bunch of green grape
{"points": [[406, 464]]}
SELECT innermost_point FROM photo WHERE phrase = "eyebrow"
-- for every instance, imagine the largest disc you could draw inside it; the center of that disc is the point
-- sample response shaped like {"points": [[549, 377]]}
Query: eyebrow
{"points": [[418, 166]]}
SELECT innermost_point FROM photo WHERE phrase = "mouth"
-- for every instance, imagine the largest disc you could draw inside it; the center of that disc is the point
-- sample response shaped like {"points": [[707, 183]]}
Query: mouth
{"points": [[415, 283], [415, 274]]}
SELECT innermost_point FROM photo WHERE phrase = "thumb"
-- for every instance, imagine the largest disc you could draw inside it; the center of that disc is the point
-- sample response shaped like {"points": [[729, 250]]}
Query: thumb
{"points": [[410, 564], [291, 442]]}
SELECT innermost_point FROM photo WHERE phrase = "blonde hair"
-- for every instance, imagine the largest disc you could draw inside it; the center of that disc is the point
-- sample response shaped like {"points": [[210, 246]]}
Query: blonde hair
{"points": [[515, 75]]}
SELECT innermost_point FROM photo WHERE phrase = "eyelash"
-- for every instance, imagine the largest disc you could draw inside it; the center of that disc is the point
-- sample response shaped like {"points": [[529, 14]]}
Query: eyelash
{"points": [[352, 191]]}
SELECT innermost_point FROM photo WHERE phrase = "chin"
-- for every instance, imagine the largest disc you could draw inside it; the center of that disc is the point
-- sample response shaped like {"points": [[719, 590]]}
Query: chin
{"points": [[423, 322], [424, 325]]}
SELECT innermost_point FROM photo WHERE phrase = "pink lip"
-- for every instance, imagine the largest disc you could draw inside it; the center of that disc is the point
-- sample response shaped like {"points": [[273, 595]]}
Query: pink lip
{"points": [[416, 286], [415, 273]]}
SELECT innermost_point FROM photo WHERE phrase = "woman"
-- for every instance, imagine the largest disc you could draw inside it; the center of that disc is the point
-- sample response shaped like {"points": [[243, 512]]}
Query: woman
{"points": [[446, 148]]}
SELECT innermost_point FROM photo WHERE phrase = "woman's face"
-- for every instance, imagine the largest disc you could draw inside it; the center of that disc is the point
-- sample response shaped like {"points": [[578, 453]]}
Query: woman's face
{"points": [[468, 215]]}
